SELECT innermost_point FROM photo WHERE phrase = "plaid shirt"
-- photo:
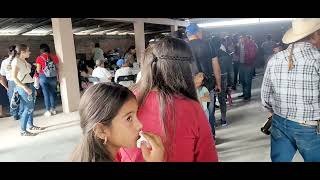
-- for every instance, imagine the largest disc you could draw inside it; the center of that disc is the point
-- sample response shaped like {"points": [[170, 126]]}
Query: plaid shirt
{"points": [[294, 94]]}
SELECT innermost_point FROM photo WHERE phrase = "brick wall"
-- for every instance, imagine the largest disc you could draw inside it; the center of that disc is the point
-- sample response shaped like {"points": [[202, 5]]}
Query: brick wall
{"points": [[83, 44]]}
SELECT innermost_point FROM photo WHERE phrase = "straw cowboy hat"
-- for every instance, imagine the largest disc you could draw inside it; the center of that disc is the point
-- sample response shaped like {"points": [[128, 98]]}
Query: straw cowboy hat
{"points": [[301, 28]]}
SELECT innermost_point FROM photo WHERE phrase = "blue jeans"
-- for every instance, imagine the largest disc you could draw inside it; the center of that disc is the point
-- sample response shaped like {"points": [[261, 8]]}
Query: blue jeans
{"points": [[26, 119], [49, 90], [212, 119], [246, 75], [14, 112], [288, 136]]}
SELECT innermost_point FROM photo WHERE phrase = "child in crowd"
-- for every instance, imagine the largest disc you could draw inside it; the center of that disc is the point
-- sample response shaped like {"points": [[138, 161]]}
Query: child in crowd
{"points": [[108, 119], [202, 92]]}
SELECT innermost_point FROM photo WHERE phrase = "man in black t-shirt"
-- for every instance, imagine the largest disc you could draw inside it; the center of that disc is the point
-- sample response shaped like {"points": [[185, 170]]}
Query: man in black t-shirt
{"points": [[206, 61]]}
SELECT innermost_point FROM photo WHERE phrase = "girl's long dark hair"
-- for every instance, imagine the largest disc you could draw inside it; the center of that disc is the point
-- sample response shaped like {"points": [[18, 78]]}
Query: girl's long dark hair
{"points": [[99, 104], [167, 67]]}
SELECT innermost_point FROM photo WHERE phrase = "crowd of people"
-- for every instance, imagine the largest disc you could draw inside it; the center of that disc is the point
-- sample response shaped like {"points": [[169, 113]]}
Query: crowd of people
{"points": [[43, 73], [176, 74], [290, 90], [109, 67], [22, 84], [172, 102]]}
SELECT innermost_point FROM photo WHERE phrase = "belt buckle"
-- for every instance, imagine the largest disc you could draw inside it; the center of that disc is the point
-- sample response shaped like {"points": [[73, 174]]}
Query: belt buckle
{"points": [[303, 123], [306, 123]]}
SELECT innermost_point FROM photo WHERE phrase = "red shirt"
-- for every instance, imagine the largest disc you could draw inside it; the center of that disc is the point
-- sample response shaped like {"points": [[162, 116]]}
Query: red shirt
{"points": [[40, 61], [193, 140]]}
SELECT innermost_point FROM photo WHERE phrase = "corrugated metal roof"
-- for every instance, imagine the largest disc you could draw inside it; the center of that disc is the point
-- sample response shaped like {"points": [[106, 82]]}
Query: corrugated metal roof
{"points": [[14, 29], [81, 26], [40, 31]]}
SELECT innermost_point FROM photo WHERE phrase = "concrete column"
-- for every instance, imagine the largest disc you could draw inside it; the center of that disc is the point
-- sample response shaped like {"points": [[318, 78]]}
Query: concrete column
{"points": [[64, 46], [139, 39], [174, 28]]}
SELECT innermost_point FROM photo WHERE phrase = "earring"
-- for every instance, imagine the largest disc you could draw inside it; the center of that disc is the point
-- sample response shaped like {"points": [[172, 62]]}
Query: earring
{"points": [[105, 140]]}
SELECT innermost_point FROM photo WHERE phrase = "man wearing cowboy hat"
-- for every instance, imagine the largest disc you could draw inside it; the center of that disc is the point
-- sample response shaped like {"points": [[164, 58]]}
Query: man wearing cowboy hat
{"points": [[291, 91]]}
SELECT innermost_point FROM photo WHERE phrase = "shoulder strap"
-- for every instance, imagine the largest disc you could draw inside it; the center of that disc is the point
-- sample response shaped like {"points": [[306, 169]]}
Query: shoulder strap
{"points": [[24, 77], [211, 52], [49, 57], [43, 58], [11, 60]]}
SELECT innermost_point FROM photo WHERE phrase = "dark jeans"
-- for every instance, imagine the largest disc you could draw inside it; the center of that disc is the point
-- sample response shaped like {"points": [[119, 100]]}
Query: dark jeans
{"points": [[28, 105], [246, 75], [212, 119], [14, 112], [222, 97], [49, 90], [235, 73], [288, 136]]}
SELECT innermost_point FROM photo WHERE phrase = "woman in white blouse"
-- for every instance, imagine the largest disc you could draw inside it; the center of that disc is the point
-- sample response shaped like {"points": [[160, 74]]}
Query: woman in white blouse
{"points": [[24, 86]]}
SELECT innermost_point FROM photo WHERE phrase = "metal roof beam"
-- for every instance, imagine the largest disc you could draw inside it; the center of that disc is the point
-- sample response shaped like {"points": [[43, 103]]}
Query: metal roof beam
{"points": [[163, 21]]}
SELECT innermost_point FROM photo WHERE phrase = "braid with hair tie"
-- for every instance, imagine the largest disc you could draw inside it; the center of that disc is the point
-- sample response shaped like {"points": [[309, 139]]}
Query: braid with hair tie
{"points": [[291, 65], [15, 52], [175, 58]]}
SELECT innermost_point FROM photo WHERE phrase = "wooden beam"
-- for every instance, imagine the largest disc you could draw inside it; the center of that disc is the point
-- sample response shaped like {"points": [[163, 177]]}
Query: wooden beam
{"points": [[35, 26], [146, 33], [164, 21], [154, 32]]}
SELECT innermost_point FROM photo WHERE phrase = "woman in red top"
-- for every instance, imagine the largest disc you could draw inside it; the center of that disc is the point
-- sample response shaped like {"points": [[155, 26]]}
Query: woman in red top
{"points": [[48, 74], [168, 105]]}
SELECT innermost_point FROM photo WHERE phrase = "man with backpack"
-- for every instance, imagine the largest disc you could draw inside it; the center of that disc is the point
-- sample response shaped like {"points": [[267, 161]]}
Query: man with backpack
{"points": [[248, 51], [47, 67]]}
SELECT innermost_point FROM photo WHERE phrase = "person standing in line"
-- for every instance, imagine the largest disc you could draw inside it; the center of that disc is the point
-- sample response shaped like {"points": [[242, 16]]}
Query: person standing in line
{"points": [[291, 90], [48, 68]]}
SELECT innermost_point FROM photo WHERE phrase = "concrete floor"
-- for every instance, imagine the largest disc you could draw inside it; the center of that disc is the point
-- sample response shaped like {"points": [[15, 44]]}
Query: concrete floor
{"points": [[240, 141]]}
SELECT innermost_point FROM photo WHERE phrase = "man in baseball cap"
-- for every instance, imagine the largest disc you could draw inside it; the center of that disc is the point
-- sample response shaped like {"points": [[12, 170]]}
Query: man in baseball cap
{"points": [[205, 61]]}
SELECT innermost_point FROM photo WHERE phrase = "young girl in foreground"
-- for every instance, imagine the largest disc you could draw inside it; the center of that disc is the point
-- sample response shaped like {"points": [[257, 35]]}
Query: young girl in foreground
{"points": [[108, 119]]}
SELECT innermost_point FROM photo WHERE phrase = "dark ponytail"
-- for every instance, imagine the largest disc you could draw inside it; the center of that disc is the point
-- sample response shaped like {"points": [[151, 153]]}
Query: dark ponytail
{"points": [[12, 51], [17, 50]]}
